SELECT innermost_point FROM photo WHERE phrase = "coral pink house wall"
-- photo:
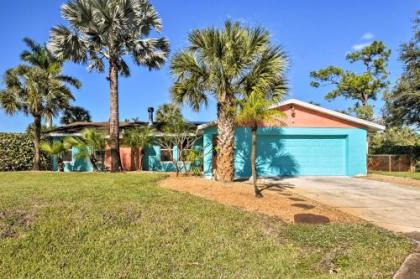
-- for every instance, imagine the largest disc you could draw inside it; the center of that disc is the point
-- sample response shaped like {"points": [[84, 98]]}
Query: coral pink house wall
{"points": [[298, 116], [126, 160]]}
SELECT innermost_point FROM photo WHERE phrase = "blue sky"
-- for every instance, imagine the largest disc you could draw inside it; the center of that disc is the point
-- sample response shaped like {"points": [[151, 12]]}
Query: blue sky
{"points": [[315, 34]]}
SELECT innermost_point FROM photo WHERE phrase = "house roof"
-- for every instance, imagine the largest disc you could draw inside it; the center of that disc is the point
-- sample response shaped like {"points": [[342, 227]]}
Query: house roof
{"points": [[76, 128], [368, 124]]}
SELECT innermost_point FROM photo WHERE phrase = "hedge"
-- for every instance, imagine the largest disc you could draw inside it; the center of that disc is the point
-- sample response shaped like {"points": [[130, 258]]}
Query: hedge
{"points": [[397, 150], [17, 153]]}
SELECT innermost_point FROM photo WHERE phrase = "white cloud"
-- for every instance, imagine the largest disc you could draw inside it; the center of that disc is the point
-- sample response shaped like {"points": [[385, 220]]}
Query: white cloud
{"points": [[360, 46], [367, 36]]}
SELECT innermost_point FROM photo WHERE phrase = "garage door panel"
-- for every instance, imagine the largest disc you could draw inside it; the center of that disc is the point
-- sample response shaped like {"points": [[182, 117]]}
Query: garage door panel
{"points": [[301, 155]]}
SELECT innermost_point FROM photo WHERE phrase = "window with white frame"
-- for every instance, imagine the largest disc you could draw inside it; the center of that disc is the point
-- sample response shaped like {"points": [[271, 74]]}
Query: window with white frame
{"points": [[166, 154]]}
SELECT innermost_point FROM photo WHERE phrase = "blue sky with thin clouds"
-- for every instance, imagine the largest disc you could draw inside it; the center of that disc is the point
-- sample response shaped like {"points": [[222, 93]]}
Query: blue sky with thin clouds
{"points": [[315, 34]]}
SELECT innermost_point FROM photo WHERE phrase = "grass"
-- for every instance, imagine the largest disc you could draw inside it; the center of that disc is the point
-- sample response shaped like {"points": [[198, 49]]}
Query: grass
{"points": [[124, 226], [405, 174]]}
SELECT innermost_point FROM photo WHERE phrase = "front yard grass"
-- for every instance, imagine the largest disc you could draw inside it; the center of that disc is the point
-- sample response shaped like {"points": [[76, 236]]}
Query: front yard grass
{"points": [[405, 174], [124, 226]]}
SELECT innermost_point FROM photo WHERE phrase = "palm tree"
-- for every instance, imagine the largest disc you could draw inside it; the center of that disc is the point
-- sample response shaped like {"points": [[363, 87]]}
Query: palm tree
{"points": [[39, 56], [56, 149], [167, 112], [31, 91], [75, 114], [91, 146], [222, 63], [138, 139], [254, 110], [108, 31]]}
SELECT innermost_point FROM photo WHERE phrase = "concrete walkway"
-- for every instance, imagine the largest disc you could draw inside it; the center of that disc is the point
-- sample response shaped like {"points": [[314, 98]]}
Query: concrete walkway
{"points": [[390, 206]]}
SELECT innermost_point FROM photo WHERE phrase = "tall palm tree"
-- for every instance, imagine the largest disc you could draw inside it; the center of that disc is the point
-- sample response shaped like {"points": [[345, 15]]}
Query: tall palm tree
{"points": [[222, 63], [108, 31], [31, 90], [253, 111], [39, 56]]}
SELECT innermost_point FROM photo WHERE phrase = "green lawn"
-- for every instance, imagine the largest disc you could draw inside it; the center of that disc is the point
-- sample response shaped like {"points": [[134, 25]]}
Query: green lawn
{"points": [[413, 175], [124, 226]]}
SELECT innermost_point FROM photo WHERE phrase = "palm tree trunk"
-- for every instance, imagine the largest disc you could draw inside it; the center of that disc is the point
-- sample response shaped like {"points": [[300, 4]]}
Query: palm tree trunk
{"points": [[254, 161], [37, 140], [226, 127], [114, 140], [60, 164], [94, 164], [141, 152]]}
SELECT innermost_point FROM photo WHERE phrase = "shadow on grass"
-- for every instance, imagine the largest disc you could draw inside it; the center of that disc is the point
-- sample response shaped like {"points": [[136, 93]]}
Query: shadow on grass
{"points": [[312, 219]]}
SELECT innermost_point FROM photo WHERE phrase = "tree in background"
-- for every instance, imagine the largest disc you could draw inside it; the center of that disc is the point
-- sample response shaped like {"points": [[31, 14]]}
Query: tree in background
{"points": [[219, 62], [254, 110], [75, 114], [91, 146], [37, 88], [166, 112], [395, 137], [360, 87], [110, 30], [403, 105], [397, 140], [138, 139]]}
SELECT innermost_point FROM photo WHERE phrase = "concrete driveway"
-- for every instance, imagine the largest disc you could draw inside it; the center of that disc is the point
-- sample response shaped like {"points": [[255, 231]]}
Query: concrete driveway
{"points": [[391, 206]]}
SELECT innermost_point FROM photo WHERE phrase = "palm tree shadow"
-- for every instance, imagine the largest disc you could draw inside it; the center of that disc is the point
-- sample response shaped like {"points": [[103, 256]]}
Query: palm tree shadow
{"points": [[273, 161]]}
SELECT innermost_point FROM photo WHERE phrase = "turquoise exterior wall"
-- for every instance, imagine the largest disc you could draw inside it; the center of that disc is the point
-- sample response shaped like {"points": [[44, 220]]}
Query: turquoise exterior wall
{"points": [[296, 151], [152, 159]]}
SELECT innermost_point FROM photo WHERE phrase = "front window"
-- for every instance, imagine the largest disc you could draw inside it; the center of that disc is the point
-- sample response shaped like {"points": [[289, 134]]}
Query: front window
{"points": [[166, 155]]}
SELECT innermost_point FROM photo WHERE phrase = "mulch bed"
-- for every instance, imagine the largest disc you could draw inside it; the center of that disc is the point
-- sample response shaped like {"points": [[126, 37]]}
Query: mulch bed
{"points": [[277, 200]]}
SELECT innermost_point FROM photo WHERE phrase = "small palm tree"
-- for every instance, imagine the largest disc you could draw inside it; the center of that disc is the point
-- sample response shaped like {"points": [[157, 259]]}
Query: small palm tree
{"points": [[91, 146], [223, 63], [108, 31], [138, 139], [254, 110], [55, 149]]}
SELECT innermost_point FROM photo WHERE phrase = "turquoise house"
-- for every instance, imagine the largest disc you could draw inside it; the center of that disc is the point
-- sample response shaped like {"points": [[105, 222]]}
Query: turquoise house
{"points": [[156, 158], [309, 141]]}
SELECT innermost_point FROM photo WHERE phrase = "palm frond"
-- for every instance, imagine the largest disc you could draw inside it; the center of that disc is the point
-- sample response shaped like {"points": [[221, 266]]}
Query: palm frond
{"points": [[69, 80]]}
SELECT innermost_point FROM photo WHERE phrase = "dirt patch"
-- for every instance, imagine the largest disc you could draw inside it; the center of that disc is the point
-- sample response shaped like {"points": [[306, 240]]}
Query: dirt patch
{"points": [[278, 201], [304, 205], [311, 219], [11, 222], [394, 179]]}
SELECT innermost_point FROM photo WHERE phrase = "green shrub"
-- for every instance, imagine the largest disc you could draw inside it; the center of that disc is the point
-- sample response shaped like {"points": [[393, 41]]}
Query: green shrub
{"points": [[17, 153]]}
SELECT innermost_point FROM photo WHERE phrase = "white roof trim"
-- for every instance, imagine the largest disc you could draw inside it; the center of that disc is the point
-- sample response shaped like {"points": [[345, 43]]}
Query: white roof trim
{"points": [[206, 125], [63, 135], [337, 114]]}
